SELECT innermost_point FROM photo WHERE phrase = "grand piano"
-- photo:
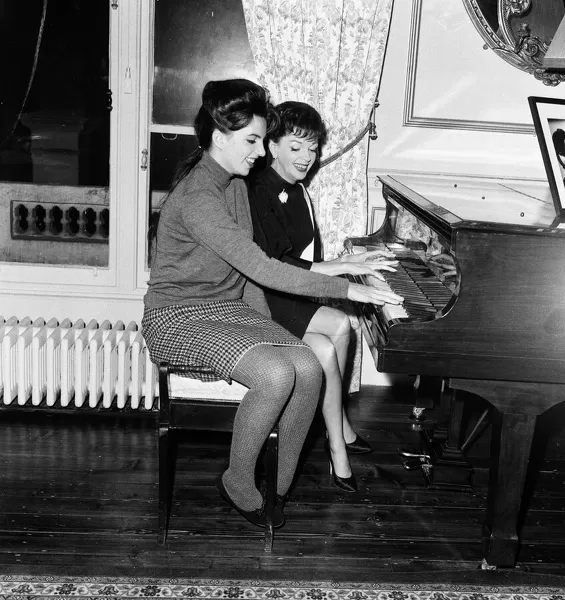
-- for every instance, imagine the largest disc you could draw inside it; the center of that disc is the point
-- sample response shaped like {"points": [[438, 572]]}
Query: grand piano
{"points": [[489, 321]]}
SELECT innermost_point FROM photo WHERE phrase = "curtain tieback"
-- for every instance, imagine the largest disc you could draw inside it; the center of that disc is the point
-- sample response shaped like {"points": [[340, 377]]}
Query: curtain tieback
{"points": [[369, 127]]}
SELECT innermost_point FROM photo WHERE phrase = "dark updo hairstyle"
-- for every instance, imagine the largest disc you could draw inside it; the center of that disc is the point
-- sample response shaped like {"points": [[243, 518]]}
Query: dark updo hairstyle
{"points": [[227, 105]]}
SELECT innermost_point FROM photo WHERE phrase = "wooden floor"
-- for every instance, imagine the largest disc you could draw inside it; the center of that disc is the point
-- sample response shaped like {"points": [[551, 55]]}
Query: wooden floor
{"points": [[79, 497]]}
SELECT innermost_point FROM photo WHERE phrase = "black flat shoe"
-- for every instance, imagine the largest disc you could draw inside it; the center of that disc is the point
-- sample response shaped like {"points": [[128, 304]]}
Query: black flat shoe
{"points": [[279, 518], [359, 446], [256, 517], [278, 514], [347, 484]]}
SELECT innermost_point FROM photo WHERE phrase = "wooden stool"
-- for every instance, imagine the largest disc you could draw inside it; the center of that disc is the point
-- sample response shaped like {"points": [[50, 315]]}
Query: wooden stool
{"points": [[190, 404]]}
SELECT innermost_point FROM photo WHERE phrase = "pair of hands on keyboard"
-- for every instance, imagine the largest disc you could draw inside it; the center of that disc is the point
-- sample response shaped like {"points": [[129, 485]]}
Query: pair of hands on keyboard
{"points": [[368, 294], [364, 263]]}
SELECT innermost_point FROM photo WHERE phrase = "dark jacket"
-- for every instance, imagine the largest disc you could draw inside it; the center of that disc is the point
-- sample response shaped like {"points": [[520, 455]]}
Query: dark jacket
{"points": [[269, 231]]}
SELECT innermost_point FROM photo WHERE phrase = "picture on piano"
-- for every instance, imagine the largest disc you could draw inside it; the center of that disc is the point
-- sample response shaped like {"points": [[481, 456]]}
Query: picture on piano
{"points": [[549, 121]]}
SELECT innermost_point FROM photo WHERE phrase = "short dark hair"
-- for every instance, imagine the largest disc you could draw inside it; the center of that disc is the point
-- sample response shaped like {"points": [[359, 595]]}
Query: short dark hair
{"points": [[300, 119]]}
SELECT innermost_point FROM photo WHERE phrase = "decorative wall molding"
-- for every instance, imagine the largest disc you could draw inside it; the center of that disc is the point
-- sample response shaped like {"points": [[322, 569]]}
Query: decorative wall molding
{"points": [[412, 120], [377, 217]]}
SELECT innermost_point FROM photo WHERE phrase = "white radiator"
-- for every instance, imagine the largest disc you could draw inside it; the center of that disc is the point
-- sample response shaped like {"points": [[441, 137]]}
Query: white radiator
{"points": [[64, 364]]}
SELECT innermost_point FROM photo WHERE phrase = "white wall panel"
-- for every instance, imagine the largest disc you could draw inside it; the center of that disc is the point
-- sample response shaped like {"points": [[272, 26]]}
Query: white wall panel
{"points": [[447, 104]]}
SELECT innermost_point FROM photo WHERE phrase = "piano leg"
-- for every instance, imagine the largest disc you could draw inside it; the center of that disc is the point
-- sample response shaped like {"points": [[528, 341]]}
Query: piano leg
{"points": [[519, 404], [511, 442]]}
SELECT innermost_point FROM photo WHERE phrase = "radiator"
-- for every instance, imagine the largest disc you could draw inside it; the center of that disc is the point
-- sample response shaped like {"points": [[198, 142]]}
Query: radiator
{"points": [[73, 365]]}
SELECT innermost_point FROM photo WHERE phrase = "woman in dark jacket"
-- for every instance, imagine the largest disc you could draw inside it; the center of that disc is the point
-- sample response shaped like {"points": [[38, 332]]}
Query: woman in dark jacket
{"points": [[285, 228]]}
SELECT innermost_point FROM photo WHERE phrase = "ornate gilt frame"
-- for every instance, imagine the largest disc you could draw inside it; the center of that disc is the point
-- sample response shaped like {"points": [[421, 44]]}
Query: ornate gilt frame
{"points": [[523, 50]]}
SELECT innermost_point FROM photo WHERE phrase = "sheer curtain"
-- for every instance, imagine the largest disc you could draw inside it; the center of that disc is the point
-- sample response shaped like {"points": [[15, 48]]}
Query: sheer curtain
{"points": [[328, 53]]}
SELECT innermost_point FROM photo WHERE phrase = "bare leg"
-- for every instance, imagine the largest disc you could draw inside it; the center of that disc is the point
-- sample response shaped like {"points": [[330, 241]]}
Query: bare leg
{"points": [[328, 335]]}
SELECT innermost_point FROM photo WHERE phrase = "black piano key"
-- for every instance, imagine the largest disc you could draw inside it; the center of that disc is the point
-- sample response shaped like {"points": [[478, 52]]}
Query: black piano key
{"points": [[423, 292]]}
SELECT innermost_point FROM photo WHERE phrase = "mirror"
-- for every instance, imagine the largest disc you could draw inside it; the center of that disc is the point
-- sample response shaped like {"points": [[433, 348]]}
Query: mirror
{"points": [[520, 31]]}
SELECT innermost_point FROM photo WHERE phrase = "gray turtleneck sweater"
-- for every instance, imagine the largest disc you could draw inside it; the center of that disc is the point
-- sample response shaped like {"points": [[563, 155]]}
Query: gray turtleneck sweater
{"points": [[205, 250]]}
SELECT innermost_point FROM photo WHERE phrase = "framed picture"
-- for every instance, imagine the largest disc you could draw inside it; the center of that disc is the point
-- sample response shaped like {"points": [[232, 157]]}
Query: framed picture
{"points": [[549, 122]]}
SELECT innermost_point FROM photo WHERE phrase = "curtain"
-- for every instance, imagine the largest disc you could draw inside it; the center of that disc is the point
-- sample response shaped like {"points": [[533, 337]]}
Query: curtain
{"points": [[328, 53]]}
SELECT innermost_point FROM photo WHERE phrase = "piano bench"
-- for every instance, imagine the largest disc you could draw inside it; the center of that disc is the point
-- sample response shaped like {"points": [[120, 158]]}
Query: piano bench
{"points": [[190, 404]]}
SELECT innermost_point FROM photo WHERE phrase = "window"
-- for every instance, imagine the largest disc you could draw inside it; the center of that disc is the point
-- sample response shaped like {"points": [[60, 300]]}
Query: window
{"points": [[55, 132], [194, 42]]}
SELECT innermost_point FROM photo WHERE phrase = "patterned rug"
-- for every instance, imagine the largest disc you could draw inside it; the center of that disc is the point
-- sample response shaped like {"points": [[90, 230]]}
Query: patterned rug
{"points": [[63, 588]]}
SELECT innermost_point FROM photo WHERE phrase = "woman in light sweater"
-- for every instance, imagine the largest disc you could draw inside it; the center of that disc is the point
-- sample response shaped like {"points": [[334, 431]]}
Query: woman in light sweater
{"points": [[204, 307]]}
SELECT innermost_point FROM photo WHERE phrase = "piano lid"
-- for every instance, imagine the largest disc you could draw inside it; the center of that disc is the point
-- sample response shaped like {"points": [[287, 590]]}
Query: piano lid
{"points": [[457, 201]]}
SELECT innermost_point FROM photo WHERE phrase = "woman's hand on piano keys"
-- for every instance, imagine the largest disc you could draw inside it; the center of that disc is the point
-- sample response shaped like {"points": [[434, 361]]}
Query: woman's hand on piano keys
{"points": [[369, 256], [372, 295], [367, 263], [446, 263]]}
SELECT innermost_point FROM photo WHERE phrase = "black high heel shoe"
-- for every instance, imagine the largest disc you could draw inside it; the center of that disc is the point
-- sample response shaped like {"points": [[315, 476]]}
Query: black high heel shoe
{"points": [[358, 446], [347, 484]]}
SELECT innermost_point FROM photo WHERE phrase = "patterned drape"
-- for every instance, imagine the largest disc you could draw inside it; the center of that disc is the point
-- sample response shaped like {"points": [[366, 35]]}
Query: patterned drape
{"points": [[328, 53]]}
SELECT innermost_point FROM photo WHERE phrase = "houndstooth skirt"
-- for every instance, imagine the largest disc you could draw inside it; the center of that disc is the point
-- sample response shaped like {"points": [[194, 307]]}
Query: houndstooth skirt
{"points": [[215, 335]]}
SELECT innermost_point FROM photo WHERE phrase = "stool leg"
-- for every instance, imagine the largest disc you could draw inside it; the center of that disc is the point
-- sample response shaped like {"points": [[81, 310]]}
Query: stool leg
{"points": [[164, 482], [164, 447], [271, 461]]}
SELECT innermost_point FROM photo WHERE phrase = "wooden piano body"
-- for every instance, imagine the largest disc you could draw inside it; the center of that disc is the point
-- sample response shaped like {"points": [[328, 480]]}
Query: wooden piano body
{"points": [[501, 335]]}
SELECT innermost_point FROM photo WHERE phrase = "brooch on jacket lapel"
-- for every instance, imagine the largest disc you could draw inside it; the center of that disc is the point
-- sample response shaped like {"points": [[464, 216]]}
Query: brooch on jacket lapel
{"points": [[283, 196]]}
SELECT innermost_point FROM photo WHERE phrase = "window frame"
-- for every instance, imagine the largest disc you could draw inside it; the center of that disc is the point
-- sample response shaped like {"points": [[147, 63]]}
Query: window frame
{"points": [[20, 279]]}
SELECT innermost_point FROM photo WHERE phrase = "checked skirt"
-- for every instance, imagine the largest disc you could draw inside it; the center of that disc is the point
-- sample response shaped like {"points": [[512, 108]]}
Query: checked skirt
{"points": [[215, 335]]}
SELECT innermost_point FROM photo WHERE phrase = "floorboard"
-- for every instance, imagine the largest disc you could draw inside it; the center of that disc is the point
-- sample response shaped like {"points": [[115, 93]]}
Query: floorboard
{"points": [[79, 497]]}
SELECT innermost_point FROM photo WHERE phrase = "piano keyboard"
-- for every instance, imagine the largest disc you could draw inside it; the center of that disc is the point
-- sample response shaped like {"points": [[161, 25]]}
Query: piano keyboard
{"points": [[423, 292]]}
